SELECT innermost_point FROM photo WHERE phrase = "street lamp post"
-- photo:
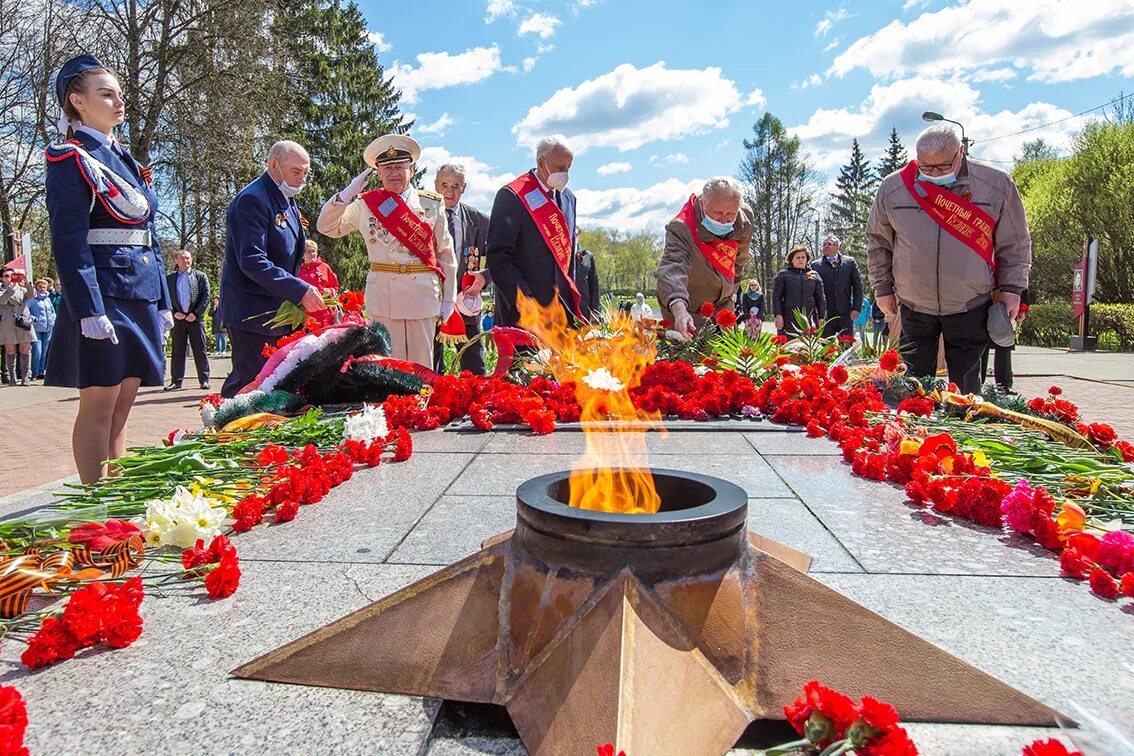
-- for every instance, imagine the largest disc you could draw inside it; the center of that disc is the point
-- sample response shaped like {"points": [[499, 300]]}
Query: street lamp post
{"points": [[929, 115]]}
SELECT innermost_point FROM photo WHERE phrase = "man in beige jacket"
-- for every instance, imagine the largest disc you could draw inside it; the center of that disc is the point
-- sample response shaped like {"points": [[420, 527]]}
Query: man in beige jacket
{"points": [[706, 247], [946, 235], [413, 271]]}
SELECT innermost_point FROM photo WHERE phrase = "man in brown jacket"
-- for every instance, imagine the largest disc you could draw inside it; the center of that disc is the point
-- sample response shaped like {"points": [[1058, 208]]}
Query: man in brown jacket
{"points": [[706, 247], [945, 236]]}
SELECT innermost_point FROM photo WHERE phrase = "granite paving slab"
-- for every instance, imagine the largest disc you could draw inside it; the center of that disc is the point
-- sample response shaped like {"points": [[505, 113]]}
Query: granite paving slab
{"points": [[657, 442], [886, 533], [500, 474], [454, 528], [1048, 637], [792, 524], [733, 424], [171, 693], [779, 444], [364, 519], [444, 440]]}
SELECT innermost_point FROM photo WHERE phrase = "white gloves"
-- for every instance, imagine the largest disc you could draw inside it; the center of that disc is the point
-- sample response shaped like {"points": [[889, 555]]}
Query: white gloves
{"points": [[682, 320], [354, 187], [446, 310], [166, 321], [98, 327]]}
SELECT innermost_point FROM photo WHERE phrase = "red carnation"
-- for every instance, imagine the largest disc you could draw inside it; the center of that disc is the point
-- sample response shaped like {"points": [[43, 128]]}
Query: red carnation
{"points": [[726, 318], [287, 511], [224, 579], [123, 624], [197, 556], [542, 422], [707, 309], [779, 339], [896, 742], [98, 536], [220, 548], [821, 714], [889, 361], [1101, 434], [1102, 584], [248, 513], [1072, 564], [13, 721], [1127, 585], [1050, 747], [839, 374], [607, 749], [51, 644], [272, 455], [1055, 391]]}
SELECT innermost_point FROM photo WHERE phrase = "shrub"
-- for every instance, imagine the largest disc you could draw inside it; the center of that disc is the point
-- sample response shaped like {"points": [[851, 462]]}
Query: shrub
{"points": [[1050, 324]]}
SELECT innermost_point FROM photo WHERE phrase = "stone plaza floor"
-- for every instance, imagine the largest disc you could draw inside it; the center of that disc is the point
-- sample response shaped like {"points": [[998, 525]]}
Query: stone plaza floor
{"points": [[990, 598]]}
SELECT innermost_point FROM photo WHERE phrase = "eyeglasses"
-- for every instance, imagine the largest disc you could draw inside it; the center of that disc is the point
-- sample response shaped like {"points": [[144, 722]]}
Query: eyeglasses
{"points": [[939, 166]]}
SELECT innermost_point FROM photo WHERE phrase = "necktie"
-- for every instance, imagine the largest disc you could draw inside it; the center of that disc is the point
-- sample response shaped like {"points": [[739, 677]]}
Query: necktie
{"points": [[452, 225], [558, 199]]}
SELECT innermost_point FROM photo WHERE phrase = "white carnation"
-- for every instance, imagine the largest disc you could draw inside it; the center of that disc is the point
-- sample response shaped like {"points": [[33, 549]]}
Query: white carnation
{"points": [[602, 380], [367, 425]]}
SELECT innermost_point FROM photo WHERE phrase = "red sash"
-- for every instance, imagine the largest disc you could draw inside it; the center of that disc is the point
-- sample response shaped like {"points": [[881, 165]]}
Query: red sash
{"points": [[552, 225], [968, 223], [397, 218], [720, 254]]}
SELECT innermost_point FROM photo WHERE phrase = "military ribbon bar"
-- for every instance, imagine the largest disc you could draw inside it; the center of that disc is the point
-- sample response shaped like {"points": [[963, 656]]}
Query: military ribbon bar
{"points": [[397, 218]]}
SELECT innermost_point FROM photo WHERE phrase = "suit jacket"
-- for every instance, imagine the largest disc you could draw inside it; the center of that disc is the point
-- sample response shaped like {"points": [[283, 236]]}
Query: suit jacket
{"points": [[90, 273], [586, 280], [262, 252], [842, 286], [472, 231], [520, 260], [199, 293]]}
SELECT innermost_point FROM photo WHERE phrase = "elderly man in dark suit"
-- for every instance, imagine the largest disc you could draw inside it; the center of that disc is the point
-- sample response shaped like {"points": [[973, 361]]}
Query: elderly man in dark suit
{"points": [[531, 236], [189, 290], [842, 285], [469, 229], [263, 250]]}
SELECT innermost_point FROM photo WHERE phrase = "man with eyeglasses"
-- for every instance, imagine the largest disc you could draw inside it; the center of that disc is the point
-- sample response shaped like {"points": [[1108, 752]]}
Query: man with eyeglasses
{"points": [[946, 237], [842, 285]]}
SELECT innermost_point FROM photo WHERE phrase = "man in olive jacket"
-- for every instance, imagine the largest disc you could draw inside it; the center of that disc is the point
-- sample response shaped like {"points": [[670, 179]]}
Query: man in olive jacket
{"points": [[706, 246], [946, 234]]}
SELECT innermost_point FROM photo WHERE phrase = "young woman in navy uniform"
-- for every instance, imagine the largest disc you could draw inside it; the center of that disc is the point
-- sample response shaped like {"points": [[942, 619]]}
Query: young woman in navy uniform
{"points": [[115, 314]]}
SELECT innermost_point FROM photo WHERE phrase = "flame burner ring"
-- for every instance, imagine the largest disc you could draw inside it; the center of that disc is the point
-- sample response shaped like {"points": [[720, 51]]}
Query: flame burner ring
{"points": [[700, 527]]}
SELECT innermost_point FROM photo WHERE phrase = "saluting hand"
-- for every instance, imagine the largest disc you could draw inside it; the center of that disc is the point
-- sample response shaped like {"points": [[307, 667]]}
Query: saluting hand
{"points": [[355, 186]]}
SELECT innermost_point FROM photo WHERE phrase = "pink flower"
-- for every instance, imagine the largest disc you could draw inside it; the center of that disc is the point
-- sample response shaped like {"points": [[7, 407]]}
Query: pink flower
{"points": [[1018, 509], [1116, 551]]}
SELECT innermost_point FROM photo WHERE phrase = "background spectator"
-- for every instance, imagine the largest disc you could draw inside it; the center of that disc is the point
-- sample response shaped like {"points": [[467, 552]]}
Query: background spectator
{"points": [[220, 336], [488, 320], [752, 301], [797, 288], [865, 315], [640, 310], [15, 339], [842, 288], [43, 313], [586, 281]]}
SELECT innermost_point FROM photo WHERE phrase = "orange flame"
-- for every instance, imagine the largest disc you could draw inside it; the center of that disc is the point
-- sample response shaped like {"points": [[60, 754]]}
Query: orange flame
{"points": [[603, 363]]}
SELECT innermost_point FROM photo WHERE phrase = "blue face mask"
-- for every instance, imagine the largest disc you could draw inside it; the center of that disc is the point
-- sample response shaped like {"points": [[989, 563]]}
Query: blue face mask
{"points": [[945, 180], [720, 229]]}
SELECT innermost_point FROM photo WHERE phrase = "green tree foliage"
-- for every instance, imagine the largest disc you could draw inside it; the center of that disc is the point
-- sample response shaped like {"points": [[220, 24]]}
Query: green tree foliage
{"points": [[895, 157], [850, 205], [626, 263], [344, 100], [1057, 238], [779, 186]]}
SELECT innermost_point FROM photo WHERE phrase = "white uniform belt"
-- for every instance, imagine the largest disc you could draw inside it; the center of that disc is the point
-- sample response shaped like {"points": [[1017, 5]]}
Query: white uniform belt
{"points": [[119, 237]]}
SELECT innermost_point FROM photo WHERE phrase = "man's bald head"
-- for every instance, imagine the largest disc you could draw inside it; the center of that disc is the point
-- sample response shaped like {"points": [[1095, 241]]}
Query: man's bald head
{"points": [[288, 163]]}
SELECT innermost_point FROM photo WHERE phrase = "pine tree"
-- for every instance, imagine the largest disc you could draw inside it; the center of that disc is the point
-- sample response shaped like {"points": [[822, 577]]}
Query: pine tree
{"points": [[895, 157], [850, 205], [344, 101]]}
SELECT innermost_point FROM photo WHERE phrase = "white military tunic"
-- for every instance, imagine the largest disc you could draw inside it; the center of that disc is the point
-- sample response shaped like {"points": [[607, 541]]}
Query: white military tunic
{"points": [[408, 304]]}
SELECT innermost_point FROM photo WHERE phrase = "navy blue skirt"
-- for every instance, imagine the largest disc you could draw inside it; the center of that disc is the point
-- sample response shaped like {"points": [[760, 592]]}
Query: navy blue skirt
{"points": [[79, 362]]}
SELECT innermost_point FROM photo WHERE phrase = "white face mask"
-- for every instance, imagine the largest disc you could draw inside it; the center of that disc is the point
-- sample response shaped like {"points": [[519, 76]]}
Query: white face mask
{"points": [[288, 190], [558, 180]]}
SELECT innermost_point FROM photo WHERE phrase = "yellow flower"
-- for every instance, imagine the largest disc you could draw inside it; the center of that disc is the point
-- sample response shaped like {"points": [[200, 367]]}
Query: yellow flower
{"points": [[1071, 517], [1081, 485], [910, 446], [979, 458]]}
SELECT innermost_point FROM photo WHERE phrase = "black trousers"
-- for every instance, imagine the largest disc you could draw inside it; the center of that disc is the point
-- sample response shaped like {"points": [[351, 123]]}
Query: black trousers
{"points": [[966, 339], [473, 358], [1001, 365], [837, 325], [247, 359], [193, 335]]}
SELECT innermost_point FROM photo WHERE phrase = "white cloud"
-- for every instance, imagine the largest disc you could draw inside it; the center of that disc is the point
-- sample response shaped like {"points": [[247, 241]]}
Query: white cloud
{"points": [[827, 134], [495, 9], [483, 180], [629, 107], [992, 74], [609, 169], [544, 47], [439, 126], [541, 24], [813, 80], [529, 63], [380, 44], [830, 18], [1053, 40], [632, 209], [442, 69], [832, 44], [673, 158]]}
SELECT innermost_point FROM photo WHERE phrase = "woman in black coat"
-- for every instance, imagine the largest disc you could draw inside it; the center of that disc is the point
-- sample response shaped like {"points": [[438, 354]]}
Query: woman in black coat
{"points": [[797, 287]]}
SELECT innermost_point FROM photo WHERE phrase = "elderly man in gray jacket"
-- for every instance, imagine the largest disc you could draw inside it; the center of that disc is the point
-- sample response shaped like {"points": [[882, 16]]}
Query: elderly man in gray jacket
{"points": [[946, 235]]}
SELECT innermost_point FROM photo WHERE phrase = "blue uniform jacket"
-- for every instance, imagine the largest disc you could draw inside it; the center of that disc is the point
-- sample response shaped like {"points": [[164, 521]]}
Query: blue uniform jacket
{"points": [[519, 258], [262, 252], [90, 273]]}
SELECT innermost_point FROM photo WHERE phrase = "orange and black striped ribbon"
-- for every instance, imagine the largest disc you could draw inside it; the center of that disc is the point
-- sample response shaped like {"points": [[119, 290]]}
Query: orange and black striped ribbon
{"points": [[21, 575]]}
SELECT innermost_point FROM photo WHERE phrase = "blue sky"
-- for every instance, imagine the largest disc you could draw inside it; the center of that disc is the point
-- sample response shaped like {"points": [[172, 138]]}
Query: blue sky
{"points": [[656, 96]]}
